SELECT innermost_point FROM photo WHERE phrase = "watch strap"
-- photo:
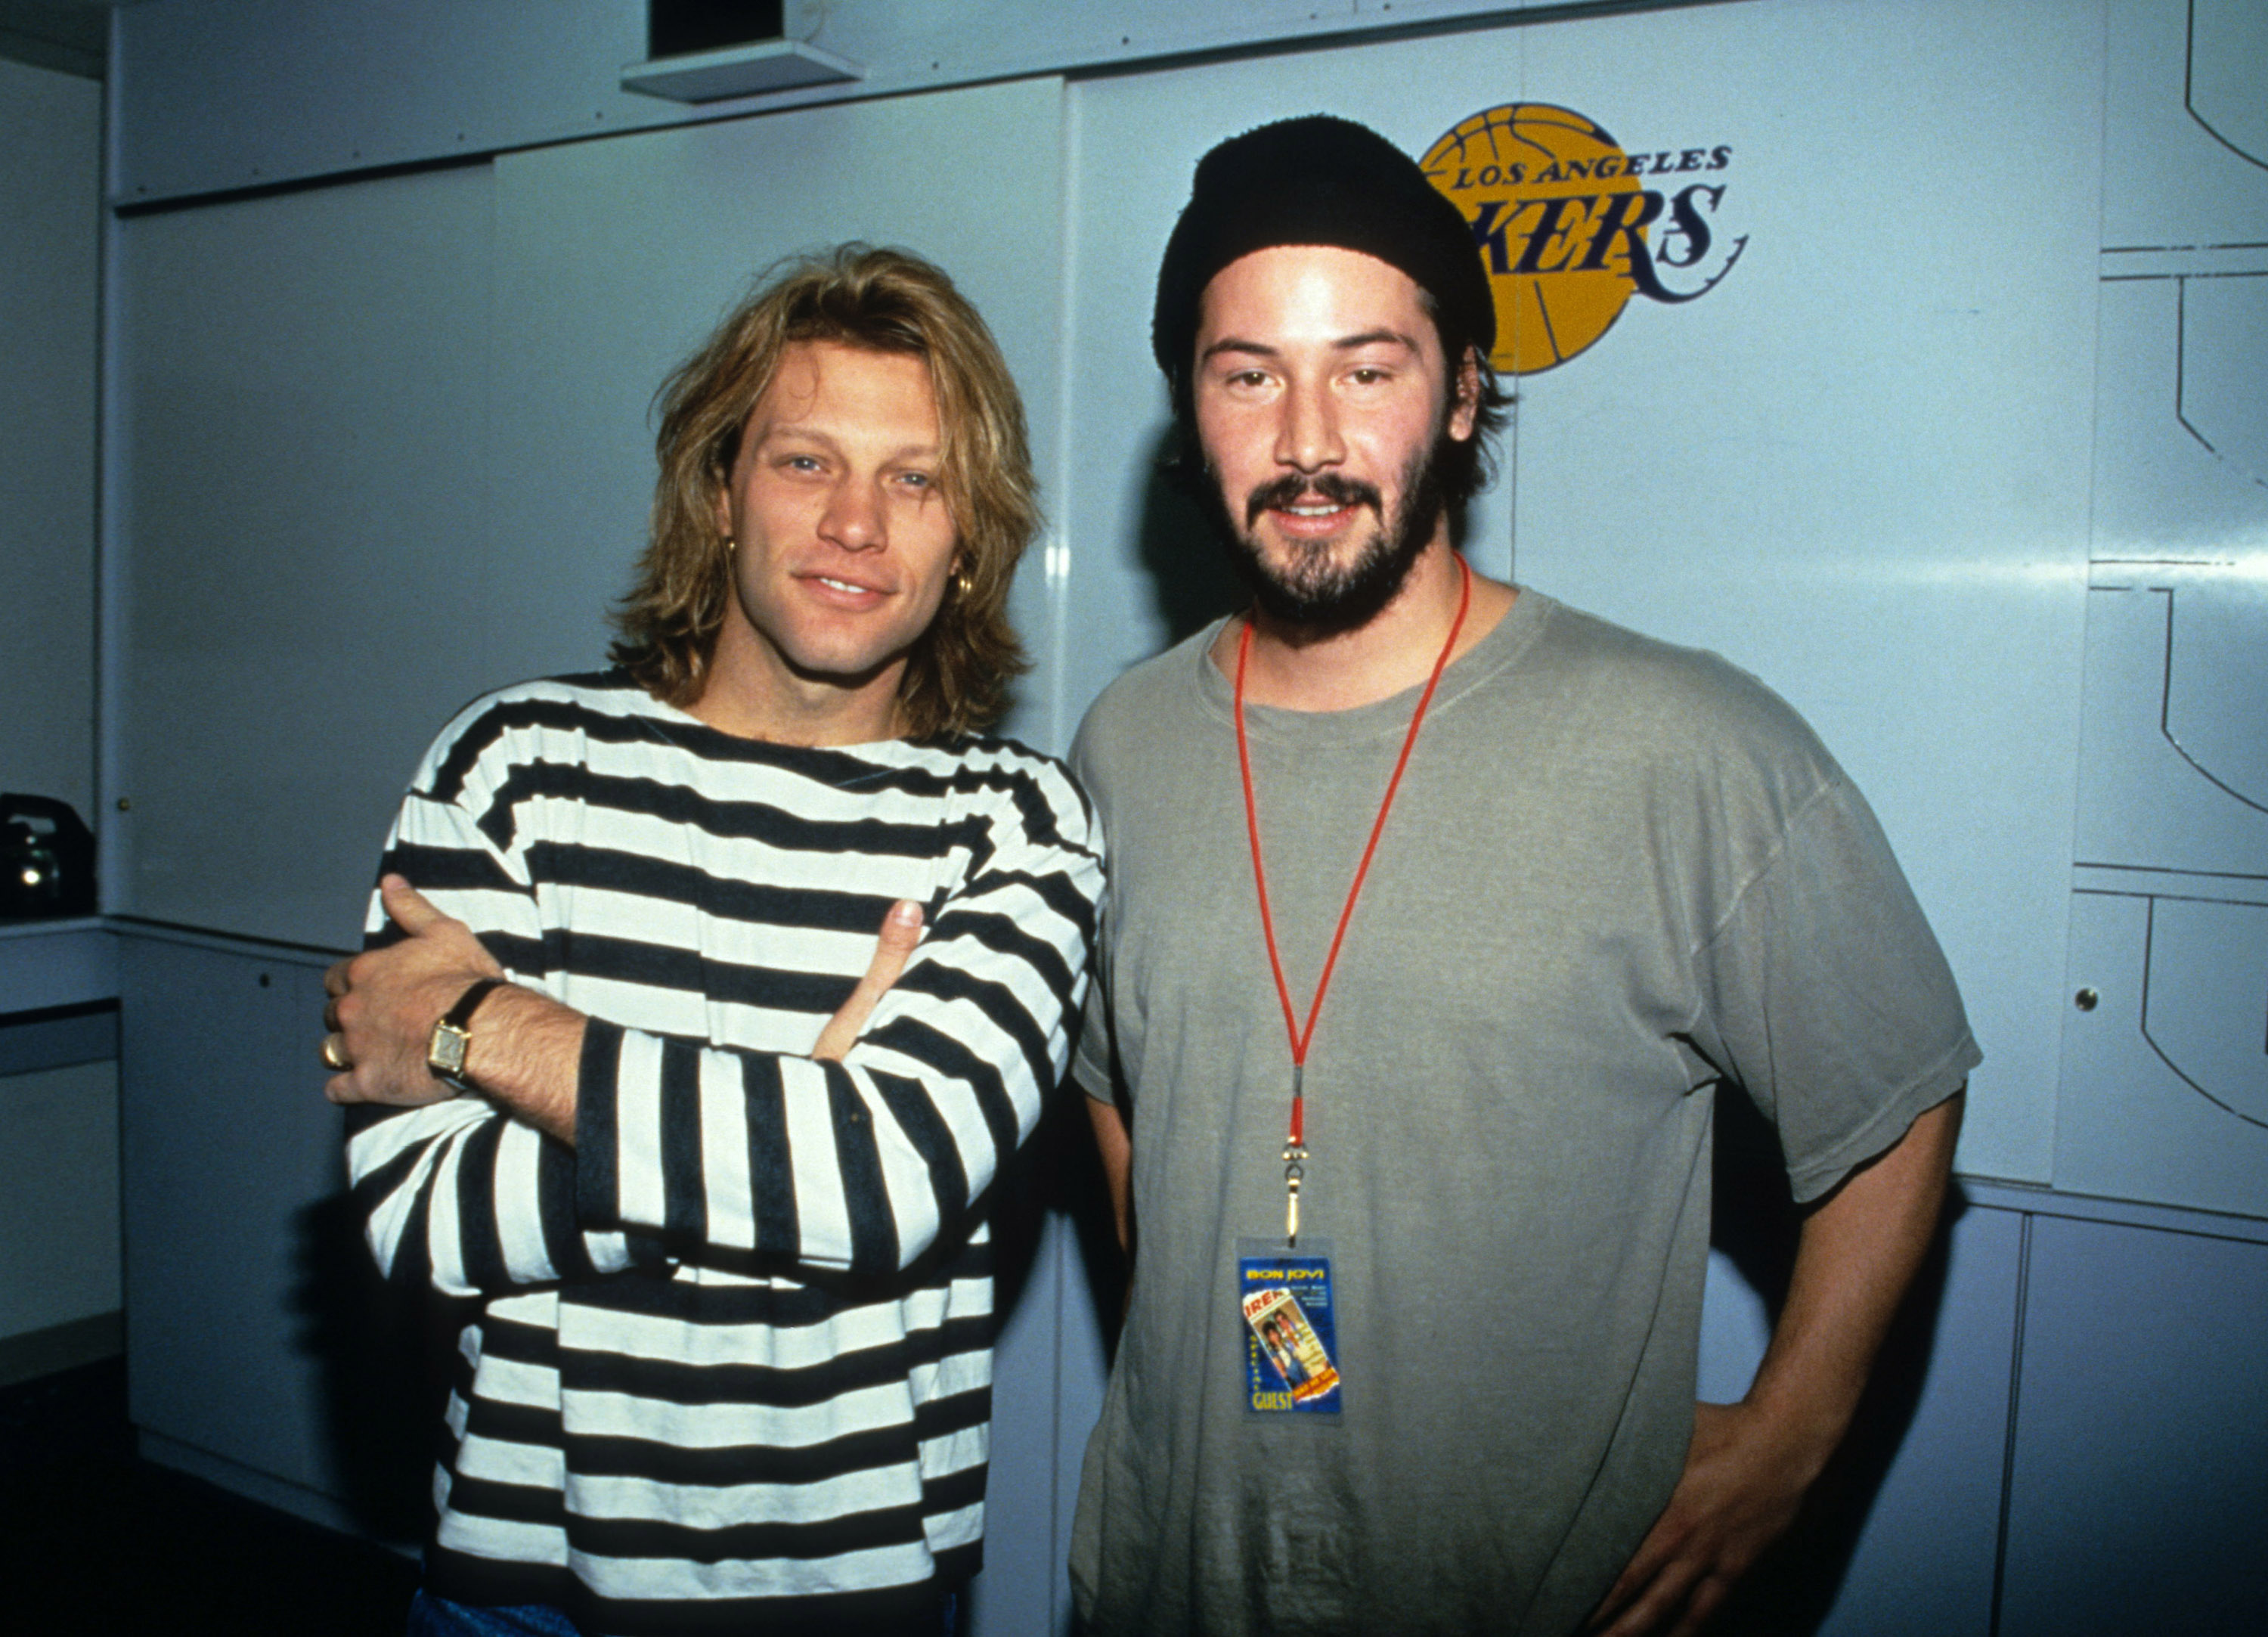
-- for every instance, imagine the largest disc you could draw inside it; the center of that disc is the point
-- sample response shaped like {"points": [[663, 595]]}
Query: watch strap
{"points": [[460, 1017]]}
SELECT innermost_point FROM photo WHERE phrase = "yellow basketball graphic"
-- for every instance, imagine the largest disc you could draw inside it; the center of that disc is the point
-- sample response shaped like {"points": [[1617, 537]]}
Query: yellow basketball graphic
{"points": [[1559, 219]]}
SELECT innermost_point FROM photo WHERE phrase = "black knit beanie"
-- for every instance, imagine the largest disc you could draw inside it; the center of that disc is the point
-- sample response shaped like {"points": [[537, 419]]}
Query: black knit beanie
{"points": [[1319, 180]]}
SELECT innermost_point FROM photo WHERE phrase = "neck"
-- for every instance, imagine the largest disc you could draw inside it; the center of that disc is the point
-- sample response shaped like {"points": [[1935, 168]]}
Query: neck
{"points": [[752, 693], [1294, 667]]}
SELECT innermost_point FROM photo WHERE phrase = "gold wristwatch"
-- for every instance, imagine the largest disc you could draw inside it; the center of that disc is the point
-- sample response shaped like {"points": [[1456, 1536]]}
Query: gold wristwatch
{"points": [[453, 1037]]}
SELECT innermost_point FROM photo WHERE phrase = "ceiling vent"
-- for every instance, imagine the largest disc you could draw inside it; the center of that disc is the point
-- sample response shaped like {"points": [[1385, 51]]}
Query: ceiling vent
{"points": [[708, 50]]}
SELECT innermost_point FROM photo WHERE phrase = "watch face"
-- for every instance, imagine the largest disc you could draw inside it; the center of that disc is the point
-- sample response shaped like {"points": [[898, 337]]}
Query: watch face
{"points": [[446, 1055]]}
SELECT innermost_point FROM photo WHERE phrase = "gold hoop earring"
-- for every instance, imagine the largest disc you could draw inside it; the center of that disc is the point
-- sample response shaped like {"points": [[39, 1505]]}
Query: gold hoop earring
{"points": [[731, 545], [963, 588]]}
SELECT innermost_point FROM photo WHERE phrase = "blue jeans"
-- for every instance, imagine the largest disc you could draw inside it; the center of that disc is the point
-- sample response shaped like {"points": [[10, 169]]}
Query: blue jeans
{"points": [[437, 1616]]}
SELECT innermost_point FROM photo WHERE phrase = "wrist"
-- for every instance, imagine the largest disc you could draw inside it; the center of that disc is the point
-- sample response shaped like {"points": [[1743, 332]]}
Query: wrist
{"points": [[1804, 1427], [489, 1060], [524, 1058], [449, 1047]]}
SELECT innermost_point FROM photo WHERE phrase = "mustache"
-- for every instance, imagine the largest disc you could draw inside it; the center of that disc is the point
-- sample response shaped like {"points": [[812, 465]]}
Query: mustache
{"points": [[1291, 488]]}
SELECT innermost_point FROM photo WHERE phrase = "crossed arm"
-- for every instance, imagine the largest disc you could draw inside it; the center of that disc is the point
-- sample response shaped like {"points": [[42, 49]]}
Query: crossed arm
{"points": [[527, 1046], [1750, 1464], [557, 1169]]}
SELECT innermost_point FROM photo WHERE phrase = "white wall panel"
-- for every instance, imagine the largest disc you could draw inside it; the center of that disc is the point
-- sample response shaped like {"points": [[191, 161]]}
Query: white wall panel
{"points": [[220, 94], [300, 468], [1857, 467], [2184, 151], [2164, 1091], [50, 128], [1926, 1553]]}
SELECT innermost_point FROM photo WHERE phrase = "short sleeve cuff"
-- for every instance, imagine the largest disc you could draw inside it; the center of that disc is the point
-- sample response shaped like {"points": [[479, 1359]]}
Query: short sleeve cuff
{"points": [[1812, 1178]]}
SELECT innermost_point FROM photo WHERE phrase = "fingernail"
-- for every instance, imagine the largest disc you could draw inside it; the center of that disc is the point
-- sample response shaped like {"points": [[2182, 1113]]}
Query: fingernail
{"points": [[906, 912]]}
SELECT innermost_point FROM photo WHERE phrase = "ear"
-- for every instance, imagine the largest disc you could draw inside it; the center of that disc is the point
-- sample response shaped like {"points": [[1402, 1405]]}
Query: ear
{"points": [[1464, 413], [720, 498]]}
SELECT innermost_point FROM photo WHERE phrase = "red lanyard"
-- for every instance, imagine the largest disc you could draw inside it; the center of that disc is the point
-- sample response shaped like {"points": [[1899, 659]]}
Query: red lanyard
{"points": [[1294, 1149]]}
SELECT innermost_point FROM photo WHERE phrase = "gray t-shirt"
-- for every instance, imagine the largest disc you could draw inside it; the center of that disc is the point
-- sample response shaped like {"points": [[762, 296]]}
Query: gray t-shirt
{"points": [[1618, 873]]}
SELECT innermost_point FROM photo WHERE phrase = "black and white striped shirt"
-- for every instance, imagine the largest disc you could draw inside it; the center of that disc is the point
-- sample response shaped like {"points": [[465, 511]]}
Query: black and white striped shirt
{"points": [[733, 1347]]}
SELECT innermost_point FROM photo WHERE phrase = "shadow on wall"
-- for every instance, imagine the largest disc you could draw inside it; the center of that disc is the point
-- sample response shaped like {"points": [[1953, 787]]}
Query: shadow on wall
{"points": [[385, 1356], [1755, 1224], [1017, 1207], [1190, 575], [1075, 1187]]}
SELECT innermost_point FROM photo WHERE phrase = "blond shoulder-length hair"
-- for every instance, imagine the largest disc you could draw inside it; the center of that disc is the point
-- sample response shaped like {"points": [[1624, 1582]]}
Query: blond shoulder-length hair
{"points": [[956, 678]]}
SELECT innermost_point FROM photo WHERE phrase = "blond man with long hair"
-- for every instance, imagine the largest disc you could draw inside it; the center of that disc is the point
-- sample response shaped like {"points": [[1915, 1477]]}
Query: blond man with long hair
{"points": [[638, 1077], [884, 302]]}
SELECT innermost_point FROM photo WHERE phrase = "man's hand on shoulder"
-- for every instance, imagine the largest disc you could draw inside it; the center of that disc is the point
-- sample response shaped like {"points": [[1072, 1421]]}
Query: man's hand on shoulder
{"points": [[1744, 1478], [384, 1003]]}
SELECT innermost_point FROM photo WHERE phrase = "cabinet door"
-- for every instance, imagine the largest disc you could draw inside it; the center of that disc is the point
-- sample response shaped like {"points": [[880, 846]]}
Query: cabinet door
{"points": [[2140, 1470], [261, 1350]]}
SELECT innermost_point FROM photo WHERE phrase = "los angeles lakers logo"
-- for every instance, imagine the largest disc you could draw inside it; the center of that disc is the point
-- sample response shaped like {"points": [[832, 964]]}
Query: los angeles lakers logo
{"points": [[1570, 227]]}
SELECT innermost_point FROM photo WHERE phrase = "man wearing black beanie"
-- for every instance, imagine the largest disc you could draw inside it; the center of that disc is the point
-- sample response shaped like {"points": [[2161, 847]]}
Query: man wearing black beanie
{"points": [[1438, 911]]}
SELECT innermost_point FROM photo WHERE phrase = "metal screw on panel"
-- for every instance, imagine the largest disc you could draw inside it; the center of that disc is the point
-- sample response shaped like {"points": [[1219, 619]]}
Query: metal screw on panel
{"points": [[2086, 999], [125, 806]]}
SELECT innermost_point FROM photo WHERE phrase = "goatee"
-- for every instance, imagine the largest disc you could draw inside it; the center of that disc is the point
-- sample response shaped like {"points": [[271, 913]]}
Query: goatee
{"points": [[1310, 589]]}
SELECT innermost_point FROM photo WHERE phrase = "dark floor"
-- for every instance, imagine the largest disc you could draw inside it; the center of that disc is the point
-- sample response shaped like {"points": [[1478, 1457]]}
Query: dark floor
{"points": [[96, 1541]]}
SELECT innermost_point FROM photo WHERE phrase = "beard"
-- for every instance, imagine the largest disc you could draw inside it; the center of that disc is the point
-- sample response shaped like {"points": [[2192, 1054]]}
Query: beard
{"points": [[1311, 588]]}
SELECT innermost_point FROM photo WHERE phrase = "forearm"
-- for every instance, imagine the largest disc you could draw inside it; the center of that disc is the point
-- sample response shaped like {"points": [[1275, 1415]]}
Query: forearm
{"points": [[525, 1055], [700, 1148], [1115, 1145], [1857, 1254], [458, 1196]]}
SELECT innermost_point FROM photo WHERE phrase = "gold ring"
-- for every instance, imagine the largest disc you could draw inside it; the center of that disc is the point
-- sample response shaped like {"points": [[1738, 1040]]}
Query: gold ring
{"points": [[334, 1055]]}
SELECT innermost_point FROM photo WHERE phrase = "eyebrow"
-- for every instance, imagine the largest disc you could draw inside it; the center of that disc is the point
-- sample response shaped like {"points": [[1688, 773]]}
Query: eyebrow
{"points": [[1344, 343], [819, 434]]}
